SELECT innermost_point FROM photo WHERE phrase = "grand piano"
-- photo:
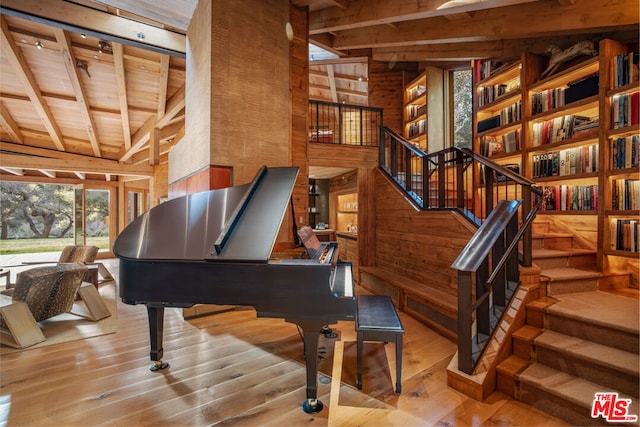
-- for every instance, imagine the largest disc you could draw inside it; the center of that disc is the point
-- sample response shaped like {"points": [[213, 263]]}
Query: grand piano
{"points": [[215, 247]]}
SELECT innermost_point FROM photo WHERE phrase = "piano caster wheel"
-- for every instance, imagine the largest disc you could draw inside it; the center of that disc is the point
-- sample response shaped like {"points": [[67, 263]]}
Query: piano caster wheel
{"points": [[328, 332], [312, 406], [157, 365]]}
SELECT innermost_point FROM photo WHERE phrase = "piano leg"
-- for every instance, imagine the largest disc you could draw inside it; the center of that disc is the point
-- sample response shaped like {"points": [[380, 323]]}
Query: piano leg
{"points": [[156, 328], [311, 333]]}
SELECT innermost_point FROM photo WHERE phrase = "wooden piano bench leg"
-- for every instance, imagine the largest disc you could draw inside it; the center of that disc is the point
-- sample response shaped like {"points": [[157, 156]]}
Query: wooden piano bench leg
{"points": [[377, 320]]}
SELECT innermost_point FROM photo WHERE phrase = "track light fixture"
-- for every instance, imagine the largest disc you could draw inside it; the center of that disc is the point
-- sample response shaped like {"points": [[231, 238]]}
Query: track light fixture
{"points": [[104, 47]]}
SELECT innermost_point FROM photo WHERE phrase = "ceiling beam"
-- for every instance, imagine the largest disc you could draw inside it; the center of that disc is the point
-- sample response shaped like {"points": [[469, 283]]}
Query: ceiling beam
{"points": [[64, 42], [178, 16], [365, 13], [78, 18], [332, 83], [121, 83], [13, 171], [47, 173], [21, 69], [162, 84], [542, 17], [10, 125], [86, 166], [175, 104], [140, 138]]}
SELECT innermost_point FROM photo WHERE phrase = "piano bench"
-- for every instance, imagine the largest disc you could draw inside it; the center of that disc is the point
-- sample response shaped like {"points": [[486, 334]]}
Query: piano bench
{"points": [[377, 320]]}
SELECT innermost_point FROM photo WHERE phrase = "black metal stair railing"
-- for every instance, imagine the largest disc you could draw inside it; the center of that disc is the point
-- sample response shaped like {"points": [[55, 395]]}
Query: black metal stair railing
{"points": [[495, 198], [346, 124]]}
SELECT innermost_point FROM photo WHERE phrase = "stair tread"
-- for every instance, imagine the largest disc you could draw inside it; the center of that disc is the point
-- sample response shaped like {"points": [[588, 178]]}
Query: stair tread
{"points": [[601, 308], [512, 365], [568, 273], [571, 388], [542, 303], [581, 349], [527, 332]]}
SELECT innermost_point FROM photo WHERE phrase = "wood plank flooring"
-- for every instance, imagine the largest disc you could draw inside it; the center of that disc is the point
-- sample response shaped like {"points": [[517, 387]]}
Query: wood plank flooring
{"points": [[232, 368]]}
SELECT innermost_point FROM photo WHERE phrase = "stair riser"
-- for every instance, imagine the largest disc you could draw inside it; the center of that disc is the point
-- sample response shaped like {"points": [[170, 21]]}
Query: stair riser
{"points": [[539, 227], [614, 282], [558, 243], [571, 286], [596, 333], [522, 348], [586, 261], [535, 317], [555, 262], [555, 405], [537, 243], [608, 377]]}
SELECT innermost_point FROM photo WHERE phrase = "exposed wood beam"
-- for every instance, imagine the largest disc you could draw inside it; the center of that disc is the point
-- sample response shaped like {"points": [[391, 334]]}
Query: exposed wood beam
{"points": [[440, 52], [325, 41], [80, 175], [338, 76], [64, 42], [349, 60], [342, 4], [154, 147], [107, 177], [141, 136], [162, 84], [175, 104], [341, 91], [13, 171], [332, 83], [7, 147], [365, 13], [62, 97], [21, 69], [171, 130], [88, 166], [98, 23], [9, 125], [542, 17], [177, 17], [47, 173], [121, 83]]}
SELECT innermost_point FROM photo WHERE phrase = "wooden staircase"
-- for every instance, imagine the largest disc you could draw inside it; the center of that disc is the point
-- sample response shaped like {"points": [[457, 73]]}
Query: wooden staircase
{"points": [[578, 340]]}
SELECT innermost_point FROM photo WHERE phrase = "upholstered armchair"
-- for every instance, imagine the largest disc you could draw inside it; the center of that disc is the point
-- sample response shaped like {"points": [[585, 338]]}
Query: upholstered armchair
{"points": [[41, 293]]}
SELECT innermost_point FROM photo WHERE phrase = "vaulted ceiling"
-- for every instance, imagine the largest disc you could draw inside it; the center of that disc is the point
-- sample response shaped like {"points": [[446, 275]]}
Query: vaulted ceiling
{"points": [[97, 87]]}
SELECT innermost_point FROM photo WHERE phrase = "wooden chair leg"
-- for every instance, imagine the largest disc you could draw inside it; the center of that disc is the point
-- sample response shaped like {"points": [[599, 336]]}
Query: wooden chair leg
{"points": [[23, 330], [94, 307]]}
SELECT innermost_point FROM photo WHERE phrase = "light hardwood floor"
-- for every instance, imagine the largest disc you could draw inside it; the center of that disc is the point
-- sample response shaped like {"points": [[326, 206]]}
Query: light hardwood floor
{"points": [[235, 369]]}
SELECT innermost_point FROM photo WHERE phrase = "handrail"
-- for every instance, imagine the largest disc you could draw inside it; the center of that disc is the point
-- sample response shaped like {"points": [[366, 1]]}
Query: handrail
{"points": [[497, 199], [480, 245]]}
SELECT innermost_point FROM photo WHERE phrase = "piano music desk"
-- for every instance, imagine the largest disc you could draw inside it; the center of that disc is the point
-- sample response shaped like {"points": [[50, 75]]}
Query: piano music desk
{"points": [[377, 320]]}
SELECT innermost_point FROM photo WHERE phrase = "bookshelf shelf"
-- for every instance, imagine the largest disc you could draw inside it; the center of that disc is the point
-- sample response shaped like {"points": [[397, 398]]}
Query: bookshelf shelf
{"points": [[500, 102], [564, 77], [575, 212], [566, 143], [626, 131], [587, 106]]}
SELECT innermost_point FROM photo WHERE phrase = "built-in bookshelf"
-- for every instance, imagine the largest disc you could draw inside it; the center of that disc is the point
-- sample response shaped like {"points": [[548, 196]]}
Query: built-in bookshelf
{"points": [[422, 113], [574, 133], [621, 182]]}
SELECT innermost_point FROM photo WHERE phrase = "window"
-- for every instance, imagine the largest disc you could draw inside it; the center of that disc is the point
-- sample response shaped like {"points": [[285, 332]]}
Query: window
{"points": [[461, 117]]}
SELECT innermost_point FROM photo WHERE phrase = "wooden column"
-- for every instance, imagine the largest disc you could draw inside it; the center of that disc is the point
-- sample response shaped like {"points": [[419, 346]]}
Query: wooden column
{"points": [[237, 92]]}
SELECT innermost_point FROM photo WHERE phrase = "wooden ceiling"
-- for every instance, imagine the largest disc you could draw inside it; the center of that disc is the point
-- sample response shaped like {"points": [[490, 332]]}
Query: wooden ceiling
{"points": [[101, 92]]}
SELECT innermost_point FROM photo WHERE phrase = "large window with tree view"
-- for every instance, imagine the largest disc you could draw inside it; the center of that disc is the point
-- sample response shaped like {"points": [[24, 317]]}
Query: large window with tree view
{"points": [[37, 217]]}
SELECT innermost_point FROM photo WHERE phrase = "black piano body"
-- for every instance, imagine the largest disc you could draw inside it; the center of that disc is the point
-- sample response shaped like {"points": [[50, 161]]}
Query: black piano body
{"points": [[215, 247]]}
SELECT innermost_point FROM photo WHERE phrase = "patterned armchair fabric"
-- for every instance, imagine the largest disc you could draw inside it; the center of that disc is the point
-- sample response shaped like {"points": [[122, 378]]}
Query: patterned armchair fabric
{"points": [[83, 254], [50, 290]]}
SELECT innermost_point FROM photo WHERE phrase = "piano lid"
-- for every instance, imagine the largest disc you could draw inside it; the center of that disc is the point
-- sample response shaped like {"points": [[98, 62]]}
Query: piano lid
{"points": [[232, 224]]}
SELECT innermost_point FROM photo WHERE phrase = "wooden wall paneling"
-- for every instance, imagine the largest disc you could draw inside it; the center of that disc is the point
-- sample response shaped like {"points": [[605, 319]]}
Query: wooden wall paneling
{"points": [[415, 244], [386, 83], [299, 105]]}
